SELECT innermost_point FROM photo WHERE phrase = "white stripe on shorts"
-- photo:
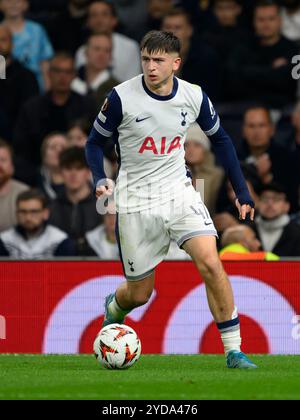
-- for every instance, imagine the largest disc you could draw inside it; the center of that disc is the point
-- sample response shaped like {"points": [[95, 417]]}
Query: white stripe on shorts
{"points": [[195, 234]]}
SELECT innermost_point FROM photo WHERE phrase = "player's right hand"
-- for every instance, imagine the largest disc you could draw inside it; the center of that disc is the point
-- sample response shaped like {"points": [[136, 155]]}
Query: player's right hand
{"points": [[105, 189], [244, 210]]}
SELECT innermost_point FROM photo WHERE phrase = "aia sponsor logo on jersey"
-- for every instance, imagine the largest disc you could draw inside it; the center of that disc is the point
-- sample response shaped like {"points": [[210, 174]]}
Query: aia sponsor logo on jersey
{"points": [[160, 148]]}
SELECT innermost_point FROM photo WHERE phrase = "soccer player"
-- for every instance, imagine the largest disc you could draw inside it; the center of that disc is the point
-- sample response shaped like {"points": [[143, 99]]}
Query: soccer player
{"points": [[148, 116]]}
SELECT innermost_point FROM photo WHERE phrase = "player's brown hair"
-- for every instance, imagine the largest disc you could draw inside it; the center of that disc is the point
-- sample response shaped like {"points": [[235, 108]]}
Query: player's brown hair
{"points": [[155, 41]]}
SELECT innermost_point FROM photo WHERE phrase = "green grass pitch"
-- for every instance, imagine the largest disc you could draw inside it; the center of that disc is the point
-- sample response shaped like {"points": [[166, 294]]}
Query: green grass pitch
{"points": [[152, 377]]}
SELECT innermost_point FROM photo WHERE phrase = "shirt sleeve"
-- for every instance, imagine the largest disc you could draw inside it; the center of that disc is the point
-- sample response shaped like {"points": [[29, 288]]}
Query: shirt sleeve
{"points": [[208, 118], [110, 115], [222, 145], [106, 123]]}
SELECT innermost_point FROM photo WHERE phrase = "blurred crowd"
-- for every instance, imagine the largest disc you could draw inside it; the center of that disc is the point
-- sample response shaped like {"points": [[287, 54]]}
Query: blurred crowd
{"points": [[62, 59]]}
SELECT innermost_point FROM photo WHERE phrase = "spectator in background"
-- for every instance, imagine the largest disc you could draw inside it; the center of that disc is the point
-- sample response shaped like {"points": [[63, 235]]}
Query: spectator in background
{"points": [[53, 111], [201, 12], [132, 16], [240, 243], [200, 64], [290, 15], [295, 122], [272, 162], [77, 135], [295, 146], [295, 217], [102, 240], [95, 76], [261, 69], [157, 10], [20, 84], [32, 237], [9, 188], [68, 29], [50, 180], [31, 45], [125, 63], [38, 7], [226, 31], [275, 230], [287, 132], [201, 163], [74, 210]]}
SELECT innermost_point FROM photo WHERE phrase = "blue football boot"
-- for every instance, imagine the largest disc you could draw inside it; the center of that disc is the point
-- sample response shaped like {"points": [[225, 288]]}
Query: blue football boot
{"points": [[107, 318], [238, 360]]}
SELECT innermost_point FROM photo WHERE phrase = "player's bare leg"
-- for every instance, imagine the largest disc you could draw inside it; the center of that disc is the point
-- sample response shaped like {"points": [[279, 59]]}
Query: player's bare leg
{"points": [[129, 295], [132, 294], [204, 253]]}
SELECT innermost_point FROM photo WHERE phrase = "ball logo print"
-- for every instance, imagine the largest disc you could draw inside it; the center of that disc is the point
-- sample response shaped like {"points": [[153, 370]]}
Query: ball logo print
{"points": [[2, 67], [121, 332]]}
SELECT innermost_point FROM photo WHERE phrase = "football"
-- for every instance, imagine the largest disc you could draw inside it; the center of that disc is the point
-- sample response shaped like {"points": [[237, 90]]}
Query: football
{"points": [[117, 346]]}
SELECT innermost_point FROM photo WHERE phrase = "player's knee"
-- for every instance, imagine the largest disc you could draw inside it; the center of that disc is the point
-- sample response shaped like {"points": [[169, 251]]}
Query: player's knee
{"points": [[210, 267]]}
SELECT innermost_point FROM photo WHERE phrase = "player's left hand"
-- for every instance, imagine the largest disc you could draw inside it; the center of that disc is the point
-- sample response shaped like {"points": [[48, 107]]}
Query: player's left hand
{"points": [[244, 210]]}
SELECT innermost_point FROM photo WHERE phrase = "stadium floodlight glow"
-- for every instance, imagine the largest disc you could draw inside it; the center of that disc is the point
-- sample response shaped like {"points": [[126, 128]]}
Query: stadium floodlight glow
{"points": [[2, 67]]}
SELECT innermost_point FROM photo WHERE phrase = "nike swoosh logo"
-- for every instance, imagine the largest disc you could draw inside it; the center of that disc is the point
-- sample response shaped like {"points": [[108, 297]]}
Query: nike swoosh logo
{"points": [[207, 224], [141, 119]]}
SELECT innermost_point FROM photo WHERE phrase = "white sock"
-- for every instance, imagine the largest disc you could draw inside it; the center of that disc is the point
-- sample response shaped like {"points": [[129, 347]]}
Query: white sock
{"points": [[231, 341], [230, 333], [115, 310]]}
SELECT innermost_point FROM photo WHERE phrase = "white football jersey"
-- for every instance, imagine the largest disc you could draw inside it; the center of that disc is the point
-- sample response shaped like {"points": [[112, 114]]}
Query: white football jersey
{"points": [[149, 131]]}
